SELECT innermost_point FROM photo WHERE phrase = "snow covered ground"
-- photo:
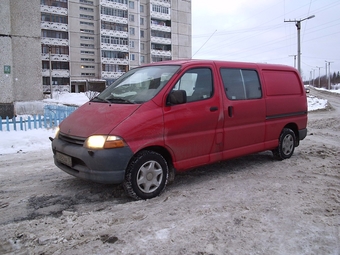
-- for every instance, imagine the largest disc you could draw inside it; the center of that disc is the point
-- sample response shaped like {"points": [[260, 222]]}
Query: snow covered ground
{"points": [[23, 141], [250, 205]]}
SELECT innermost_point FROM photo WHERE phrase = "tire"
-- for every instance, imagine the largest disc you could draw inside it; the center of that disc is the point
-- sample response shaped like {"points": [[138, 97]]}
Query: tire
{"points": [[286, 146], [146, 175]]}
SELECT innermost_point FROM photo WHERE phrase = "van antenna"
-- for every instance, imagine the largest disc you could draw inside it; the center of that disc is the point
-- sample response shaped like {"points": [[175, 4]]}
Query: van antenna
{"points": [[204, 44]]}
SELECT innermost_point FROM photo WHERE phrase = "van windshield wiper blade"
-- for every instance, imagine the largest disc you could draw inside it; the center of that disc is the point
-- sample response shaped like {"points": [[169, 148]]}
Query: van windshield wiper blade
{"points": [[98, 99], [119, 100]]}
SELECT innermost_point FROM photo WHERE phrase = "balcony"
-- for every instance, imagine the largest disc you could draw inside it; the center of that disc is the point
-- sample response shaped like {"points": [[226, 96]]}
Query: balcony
{"points": [[160, 28], [115, 61], [56, 73], [111, 75], [161, 16], [53, 9], [166, 53], [160, 40], [115, 47], [54, 41], [54, 26], [113, 5], [113, 19], [162, 3], [55, 57], [122, 34]]}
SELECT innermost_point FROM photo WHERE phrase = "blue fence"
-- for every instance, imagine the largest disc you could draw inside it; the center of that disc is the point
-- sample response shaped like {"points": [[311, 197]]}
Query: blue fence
{"points": [[53, 115]]}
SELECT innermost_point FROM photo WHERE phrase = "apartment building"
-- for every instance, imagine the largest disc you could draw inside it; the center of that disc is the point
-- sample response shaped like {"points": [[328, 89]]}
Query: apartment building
{"points": [[20, 61], [88, 44]]}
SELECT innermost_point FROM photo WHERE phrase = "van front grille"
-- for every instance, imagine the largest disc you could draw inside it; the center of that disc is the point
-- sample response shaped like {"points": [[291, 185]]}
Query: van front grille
{"points": [[72, 139]]}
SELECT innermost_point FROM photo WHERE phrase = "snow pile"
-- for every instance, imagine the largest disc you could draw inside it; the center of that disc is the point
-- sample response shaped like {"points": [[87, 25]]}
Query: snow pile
{"points": [[315, 103], [73, 99]]}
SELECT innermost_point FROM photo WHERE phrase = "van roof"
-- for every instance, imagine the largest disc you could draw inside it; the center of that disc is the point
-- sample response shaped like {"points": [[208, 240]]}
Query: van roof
{"points": [[184, 62]]}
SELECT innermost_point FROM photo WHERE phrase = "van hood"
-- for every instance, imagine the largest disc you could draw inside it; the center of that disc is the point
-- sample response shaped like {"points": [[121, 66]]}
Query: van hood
{"points": [[96, 118]]}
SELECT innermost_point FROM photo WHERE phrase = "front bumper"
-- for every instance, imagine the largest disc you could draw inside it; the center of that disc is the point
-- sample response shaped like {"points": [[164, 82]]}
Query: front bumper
{"points": [[102, 166]]}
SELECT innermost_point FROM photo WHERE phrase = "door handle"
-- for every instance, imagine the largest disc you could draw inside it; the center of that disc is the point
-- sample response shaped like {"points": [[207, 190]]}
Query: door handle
{"points": [[230, 111], [213, 108]]}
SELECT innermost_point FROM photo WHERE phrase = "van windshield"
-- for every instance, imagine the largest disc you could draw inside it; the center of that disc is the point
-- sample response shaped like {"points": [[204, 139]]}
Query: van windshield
{"points": [[137, 85]]}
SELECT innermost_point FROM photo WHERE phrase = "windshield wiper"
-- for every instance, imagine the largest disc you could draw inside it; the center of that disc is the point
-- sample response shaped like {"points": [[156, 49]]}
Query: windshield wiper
{"points": [[98, 99], [112, 99]]}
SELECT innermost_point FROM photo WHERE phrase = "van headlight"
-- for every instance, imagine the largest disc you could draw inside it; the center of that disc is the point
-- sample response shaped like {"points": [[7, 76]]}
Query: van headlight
{"points": [[56, 133], [104, 142]]}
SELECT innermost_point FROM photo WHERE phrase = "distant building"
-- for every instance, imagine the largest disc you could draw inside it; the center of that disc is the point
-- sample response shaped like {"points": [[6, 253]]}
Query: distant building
{"points": [[82, 45], [20, 57], [91, 43]]}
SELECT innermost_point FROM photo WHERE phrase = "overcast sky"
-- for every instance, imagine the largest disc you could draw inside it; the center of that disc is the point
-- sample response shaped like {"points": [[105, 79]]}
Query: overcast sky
{"points": [[255, 31]]}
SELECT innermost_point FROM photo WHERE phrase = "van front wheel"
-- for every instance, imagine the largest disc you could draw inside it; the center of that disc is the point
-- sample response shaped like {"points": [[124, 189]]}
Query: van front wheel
{"points": [[146, 175], [286, 146]]}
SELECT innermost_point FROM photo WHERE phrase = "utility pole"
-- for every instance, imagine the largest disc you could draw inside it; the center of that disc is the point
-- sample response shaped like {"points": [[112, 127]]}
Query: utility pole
{"points": [[319, 76], [298, 26], [50, 65], [329, 73], [294, 59]]}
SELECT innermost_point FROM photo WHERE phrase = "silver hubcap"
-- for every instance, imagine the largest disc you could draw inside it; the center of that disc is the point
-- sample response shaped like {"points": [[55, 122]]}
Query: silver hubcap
{"points": [[287, 144], [149, 176]]}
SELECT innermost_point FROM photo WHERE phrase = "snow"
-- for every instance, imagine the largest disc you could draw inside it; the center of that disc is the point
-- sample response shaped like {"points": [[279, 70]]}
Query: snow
{"points": [[34, 140]]}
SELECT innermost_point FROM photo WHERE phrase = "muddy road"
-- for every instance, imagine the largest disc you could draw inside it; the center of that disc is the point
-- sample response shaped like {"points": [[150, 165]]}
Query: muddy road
{"points": [[249, 205]]}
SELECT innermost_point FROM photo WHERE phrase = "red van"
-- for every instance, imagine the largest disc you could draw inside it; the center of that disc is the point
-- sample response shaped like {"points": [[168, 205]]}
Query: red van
{"points": [[176, 115]]}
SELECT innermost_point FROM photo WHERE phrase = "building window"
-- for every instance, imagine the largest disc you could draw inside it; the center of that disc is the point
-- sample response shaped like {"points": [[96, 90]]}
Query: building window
{"points": [[114, 26], [142, 46], [132, 44], [118, 1], [142, 59], [83, 16], [142, 33], [86, 2], [160, 9], [54, 34], [60, 3], [131, 4], [105, 39], [113, 68], [54, 18], [87, 52], [87, 23], [132, 17], [114, 54], [142, 21], [87, 59], [87, 67], [132, 31], [87, 74], [132, 57], [141, 8], [114, 12], [87, 9], [55, 49], [87, 31], [86, 37], [161, 34], [84, 45]]}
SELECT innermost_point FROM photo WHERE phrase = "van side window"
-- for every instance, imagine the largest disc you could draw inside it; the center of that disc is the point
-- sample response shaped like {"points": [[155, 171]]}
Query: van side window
{"points": [[241, 84], [197, 83]]}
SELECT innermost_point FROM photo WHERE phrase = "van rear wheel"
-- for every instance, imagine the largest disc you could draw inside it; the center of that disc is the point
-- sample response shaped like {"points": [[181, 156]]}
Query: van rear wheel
{"points": [[146, 175], [286, 146]]}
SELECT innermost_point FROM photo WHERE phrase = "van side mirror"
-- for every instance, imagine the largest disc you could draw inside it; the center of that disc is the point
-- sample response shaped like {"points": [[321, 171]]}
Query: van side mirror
{"points": [[177, 97]]}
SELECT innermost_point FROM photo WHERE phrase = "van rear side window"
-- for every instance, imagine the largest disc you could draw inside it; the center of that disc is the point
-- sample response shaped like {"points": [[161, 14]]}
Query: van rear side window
{"points": [[241, 84], [284, 83]]}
